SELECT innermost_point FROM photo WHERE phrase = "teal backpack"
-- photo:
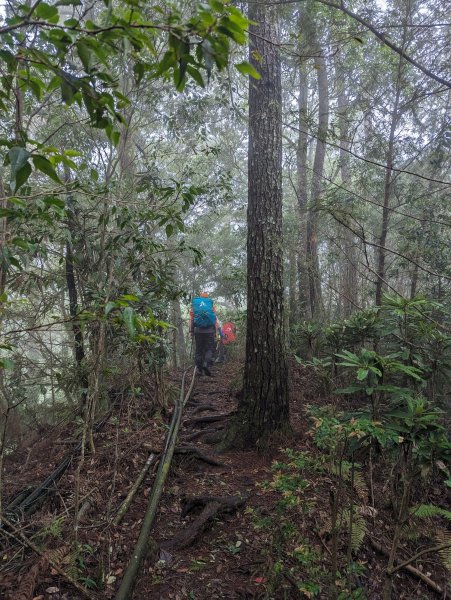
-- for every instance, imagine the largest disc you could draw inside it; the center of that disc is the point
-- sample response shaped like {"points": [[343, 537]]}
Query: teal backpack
{"points": [[203, 314]]}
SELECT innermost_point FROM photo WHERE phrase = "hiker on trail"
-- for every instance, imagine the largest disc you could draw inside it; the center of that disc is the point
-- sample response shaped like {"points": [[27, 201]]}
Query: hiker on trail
{"points": [[227, 336], [203, 326]]}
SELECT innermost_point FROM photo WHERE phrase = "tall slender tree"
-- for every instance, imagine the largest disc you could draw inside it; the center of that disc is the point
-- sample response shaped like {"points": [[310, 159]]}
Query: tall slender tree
{"points": [[264, 409]]}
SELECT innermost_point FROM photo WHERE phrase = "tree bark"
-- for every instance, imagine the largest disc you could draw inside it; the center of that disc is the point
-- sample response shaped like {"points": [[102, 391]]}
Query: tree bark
{"points": [[71, 283], [349, 283], [316, 301], [388, 184], [292, 299], [179, 336], [302, 195], [264, 408]]}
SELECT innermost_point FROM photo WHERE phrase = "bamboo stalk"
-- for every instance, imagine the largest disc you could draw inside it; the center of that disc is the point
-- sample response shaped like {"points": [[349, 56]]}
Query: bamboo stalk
{"points": [[131, 494], [139, 553]]}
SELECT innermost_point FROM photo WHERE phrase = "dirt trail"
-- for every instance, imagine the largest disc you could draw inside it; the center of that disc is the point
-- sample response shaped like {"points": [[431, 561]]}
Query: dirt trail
{"points": [[224, 561], [207, 544]]}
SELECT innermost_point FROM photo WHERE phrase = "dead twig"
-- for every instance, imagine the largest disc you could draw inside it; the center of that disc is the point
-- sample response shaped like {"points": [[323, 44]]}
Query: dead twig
{"points": [[131, 494], [415, 572]]}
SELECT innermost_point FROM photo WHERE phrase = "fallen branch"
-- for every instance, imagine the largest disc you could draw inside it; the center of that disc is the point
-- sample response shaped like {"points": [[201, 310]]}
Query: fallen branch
{"points": [[141, 549], [415, 572], [412, 559], [213, 508], [131, 494], [19, 536]]}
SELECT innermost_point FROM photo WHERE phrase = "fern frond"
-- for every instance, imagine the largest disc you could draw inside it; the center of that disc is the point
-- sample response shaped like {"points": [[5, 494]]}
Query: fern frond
{"points": [[359, 529], [360, 486], [411, 532], [58, 555], [345, 471], [444, 537], [430, 510], [72, 562]]}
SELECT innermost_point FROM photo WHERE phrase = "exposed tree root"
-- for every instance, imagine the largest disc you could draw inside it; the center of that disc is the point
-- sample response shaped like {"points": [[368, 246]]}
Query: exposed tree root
{"points": [[192, 451], [213, 507], [215, 438], [207, 419], [198, 434], [415, 572], [202, 407]]}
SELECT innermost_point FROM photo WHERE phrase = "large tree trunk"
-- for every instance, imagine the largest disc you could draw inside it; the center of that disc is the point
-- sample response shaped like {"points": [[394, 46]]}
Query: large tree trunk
{"points": [[71, 283], [292, 295], [349, 282], [390, 156], [301, 159], [264, 408], [316, 302], [388, 183]]}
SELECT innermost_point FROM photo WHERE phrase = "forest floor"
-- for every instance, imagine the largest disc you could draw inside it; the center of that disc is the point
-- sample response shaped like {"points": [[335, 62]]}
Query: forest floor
{"points": [[263, 549]]}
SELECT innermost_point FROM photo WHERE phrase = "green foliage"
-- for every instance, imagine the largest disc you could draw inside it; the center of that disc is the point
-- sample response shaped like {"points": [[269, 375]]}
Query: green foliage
{"points": [[193, 46], [293, 481], [359, 528], [370, 368], [428, 511], [53, 529], [322, 368]]}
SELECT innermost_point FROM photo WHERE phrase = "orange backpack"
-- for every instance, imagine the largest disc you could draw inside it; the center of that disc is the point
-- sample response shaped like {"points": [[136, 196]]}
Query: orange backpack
{"points": [[229, 332]]}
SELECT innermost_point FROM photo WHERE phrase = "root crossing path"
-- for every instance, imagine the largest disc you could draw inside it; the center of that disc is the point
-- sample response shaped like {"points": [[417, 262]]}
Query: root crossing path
{"points": [[202, 540]]}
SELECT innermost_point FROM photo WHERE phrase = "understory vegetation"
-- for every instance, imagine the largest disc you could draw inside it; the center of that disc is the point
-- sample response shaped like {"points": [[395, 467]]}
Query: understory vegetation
{"points": [[292, 161]]}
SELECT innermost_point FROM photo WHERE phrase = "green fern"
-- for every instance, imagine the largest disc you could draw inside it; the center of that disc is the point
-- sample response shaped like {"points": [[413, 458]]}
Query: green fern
{"points": [[72, 563], [345, 471], [53, 528], [359, 528], [427, 511], [411, 532]]}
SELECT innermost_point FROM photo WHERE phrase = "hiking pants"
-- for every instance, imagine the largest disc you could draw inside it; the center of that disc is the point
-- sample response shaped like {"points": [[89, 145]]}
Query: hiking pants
{"points": [[205, 343], [221, 352]]}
